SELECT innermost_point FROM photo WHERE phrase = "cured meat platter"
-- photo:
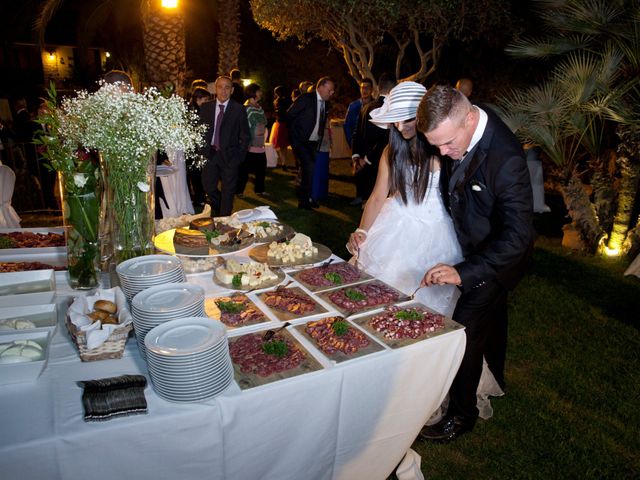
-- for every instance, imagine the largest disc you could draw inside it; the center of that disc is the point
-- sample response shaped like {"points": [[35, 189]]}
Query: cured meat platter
{"points": [[32, 241], [234, 311], [256, 362], [334, 275], [398, 326], [338, 339], [362, 297], [290, 303]]}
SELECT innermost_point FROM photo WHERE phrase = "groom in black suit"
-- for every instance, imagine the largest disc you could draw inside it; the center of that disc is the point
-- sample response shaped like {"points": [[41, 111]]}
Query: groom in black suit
{"points": [[485, 186], [306, 120], [226, 143]]}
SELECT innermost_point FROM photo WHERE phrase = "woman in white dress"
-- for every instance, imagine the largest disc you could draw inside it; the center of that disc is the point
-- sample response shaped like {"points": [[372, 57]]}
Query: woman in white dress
{"points": [[405, 229]]}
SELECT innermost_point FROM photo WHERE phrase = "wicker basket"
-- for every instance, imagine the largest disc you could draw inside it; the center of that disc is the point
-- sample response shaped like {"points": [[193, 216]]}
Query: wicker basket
{"points": [[112, 348]]}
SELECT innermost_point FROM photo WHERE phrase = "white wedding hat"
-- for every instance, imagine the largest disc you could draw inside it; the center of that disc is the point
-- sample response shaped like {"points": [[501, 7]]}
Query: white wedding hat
{"points": [[401, 104]]}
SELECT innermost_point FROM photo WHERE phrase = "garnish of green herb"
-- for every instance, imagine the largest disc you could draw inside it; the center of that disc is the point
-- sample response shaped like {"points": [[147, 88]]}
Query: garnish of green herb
{"points": [[5, 242], [237, 279], [333, 277], [264, 224], [340, 327], [211, 234], [354, 295], [230, 307], [278, 348], [409, 315]]}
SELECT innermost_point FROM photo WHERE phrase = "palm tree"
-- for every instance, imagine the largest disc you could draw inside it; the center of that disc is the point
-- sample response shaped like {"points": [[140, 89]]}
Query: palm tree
{"points": [[163, 35], [229, 35], [590, 94]]}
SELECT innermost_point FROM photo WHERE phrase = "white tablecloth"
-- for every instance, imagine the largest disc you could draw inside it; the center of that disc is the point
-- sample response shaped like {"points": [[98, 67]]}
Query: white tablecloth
{"points": [[351, 421]]}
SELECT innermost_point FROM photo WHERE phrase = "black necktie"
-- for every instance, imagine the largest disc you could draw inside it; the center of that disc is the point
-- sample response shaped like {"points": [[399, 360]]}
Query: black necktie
{"points": [[321, 121]]}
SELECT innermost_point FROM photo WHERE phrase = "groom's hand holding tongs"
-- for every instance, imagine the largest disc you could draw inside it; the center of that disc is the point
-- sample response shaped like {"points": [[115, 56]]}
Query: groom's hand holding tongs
{"points": [[441, 274]]}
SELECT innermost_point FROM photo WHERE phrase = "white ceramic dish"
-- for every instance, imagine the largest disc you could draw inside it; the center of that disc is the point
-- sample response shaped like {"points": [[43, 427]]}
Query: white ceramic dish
{"points": [[186, 336], [44, 317], [26, 371], [36, 287]]}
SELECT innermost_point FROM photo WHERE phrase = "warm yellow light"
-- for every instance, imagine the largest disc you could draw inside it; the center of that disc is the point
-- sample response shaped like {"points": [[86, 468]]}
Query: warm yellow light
{"points": [[51, 57], [611, 252], [107, 54], [170, 3], [246, 82]]}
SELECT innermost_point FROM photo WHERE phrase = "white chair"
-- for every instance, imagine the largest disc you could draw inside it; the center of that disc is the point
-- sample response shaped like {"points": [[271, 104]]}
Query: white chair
{"points": [[8, 216]]}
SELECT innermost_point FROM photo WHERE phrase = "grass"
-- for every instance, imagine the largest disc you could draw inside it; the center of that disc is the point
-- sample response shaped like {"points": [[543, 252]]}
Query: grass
{"points": [[572, 404]]}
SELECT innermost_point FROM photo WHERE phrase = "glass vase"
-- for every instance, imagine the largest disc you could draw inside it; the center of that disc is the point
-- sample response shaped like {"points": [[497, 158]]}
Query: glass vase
{"points": [[127, 219], [80, 214]]}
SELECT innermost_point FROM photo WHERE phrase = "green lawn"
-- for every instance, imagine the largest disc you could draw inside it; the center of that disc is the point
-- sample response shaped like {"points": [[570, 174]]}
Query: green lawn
{"points": [[572, 404]]}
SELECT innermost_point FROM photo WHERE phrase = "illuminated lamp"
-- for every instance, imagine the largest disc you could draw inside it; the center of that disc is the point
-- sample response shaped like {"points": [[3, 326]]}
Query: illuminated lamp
{"points": [[107, 54], [169, 3], [51, 56], [246, 82]]}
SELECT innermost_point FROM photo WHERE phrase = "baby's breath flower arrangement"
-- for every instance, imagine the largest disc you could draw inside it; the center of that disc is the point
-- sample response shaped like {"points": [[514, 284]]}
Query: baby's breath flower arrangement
{"points": [[127, 128]]}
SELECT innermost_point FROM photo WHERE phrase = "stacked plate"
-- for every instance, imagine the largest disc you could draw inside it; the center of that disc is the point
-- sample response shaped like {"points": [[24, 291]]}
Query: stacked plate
{"points": [[137, 274], [162, 303], [188, 359]]}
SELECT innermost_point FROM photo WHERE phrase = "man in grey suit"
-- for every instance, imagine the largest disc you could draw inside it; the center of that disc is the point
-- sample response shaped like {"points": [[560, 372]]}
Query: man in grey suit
{"points": [[226, 143], [484, 183], [306, 119]]}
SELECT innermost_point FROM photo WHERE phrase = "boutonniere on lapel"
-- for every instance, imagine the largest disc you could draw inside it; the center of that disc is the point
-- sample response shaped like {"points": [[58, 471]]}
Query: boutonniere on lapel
{"points": [[477, 186]]}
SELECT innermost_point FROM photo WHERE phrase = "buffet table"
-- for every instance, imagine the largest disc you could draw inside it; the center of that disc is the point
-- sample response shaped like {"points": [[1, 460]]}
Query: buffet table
{"points": [[354, 420]]}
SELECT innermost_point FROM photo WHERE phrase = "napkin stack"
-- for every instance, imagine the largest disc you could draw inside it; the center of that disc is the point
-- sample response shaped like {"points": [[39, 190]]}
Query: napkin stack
{"points": [[113, 397]]}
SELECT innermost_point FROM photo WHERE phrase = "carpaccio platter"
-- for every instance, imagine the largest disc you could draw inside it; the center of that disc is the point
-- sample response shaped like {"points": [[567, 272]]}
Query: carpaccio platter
{"points": [[362, 297], [256, 362], [290, 303], [398, 326], [334, 275], [234, 311], [338, 339]]}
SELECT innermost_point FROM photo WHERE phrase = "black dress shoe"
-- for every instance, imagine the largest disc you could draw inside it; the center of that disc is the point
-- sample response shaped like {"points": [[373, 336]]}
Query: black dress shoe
{"points": [[446, 430], [314, 204], [305, 205]]}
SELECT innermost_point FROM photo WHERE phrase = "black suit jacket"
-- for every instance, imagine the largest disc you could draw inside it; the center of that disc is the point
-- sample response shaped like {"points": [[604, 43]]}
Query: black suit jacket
{"points": [[368, 139], [234, 131], [491, 204], [301, 118]]}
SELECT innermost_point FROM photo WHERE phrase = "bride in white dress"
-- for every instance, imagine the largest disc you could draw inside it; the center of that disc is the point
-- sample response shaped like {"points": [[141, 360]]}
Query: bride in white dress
{"points": [[405, 229]]}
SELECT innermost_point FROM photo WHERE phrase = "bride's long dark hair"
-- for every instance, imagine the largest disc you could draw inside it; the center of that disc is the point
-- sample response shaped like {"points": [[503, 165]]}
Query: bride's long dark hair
{"points": [[410, 163]]}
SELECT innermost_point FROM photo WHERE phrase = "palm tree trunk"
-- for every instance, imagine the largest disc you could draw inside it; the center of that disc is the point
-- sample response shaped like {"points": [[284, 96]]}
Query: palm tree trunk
{"points": [[629, 165], [604, 191], [164, 47], [229, 36], [582, 211]]}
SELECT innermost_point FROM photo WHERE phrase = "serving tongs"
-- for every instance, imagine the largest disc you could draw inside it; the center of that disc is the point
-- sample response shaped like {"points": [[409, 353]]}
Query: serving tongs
{"points": [[269, 334]]}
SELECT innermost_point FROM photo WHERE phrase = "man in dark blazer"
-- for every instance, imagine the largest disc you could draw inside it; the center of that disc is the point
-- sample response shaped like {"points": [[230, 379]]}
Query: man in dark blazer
{"points": [[485, 186], [306, 119], [225, 148], [369, 141]]}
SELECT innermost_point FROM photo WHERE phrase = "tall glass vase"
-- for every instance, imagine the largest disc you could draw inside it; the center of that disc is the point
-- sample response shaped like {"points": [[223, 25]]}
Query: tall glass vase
{"points": [[80, 215], [128, 212]]}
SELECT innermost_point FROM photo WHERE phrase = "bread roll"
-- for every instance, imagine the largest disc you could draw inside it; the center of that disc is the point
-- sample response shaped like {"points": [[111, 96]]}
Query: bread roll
{"points": [[110, 319], [97, 315], [105, 306]]}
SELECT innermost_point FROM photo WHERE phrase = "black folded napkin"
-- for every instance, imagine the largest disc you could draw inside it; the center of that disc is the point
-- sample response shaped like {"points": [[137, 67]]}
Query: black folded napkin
{"points": [[113, 397]]}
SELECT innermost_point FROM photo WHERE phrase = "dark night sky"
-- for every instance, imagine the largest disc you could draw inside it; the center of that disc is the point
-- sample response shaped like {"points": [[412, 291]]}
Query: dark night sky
{"points": [[261, 57]]}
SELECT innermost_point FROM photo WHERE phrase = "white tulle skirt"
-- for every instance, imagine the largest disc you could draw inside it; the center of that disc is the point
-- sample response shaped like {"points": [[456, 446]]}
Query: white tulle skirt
{"points": [[407, 240]]}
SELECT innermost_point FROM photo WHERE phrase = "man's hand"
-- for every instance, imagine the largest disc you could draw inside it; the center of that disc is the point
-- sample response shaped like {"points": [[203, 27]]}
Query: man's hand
{"points": [[441, 274]]}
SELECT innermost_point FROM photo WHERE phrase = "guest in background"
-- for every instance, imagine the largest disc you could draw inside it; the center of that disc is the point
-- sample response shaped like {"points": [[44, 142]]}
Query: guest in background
{"points": [[305, 86], [199, 96], [238, 91], [256, 160], [320, 185], [295, 93], [226, 142], [279, 131], [369, 141], [351, 119], [465, 85], [307, 118]]}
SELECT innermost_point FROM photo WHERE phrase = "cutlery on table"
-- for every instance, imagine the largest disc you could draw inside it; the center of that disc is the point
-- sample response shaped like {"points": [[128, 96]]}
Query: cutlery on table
{"points": [[269, 334]]}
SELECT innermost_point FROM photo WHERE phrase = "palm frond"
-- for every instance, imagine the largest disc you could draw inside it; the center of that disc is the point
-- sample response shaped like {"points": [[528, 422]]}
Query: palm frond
{"points": [[46, 13], [547, 47]]}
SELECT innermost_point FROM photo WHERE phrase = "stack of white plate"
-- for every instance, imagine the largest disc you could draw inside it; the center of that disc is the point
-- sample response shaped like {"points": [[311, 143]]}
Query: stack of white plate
{"points": [[188, 359], [139, 273], [163, 303]]}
